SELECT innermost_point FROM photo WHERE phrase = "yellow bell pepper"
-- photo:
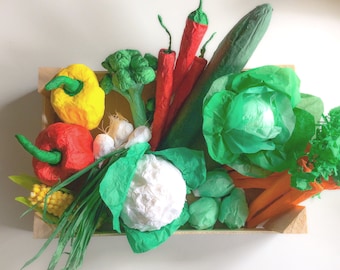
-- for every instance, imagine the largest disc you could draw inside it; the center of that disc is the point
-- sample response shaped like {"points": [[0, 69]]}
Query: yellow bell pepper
{"points": [[77, 97]]}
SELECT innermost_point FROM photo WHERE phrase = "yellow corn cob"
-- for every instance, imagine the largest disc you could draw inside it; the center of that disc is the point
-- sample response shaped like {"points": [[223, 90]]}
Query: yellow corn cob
{"points": [[57, 202]]}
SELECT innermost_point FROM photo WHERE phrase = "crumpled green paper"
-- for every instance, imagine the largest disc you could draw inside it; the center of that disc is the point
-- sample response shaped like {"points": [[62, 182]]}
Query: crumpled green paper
{"points": [[234, 209], [251, 123], [218, 184], [116, 183], [204, 213], [144, 241], [190, 162]]}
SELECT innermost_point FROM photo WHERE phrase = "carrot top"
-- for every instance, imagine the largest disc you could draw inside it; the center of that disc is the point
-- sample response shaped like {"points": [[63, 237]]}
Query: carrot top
{"points": [[198, 15], [322, 159]]}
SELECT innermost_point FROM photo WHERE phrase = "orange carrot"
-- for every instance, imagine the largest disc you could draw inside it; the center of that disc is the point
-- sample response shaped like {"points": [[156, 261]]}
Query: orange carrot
{"points": [[286, 202], [329, 184], [247, 182], [271, 194]]}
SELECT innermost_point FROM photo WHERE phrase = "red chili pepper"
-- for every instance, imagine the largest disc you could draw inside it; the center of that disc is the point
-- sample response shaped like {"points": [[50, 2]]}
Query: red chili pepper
{"points": [[60, 150], [184, 90], [164, 81], [195, 28]]}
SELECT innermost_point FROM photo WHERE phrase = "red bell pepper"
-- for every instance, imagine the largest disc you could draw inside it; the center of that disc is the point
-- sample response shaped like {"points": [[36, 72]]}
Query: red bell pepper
{"points": [[60, 150]]}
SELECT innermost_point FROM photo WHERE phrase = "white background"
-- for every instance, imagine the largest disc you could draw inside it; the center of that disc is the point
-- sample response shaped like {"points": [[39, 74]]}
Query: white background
{"points": [[36, 33]]}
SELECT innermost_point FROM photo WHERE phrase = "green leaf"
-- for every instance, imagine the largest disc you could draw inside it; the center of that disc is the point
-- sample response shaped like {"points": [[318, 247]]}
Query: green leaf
{"points": [[25, 181], [313, 105], [302, 180], [145, 241], [116, 182], [48, 217], [191, 163]]}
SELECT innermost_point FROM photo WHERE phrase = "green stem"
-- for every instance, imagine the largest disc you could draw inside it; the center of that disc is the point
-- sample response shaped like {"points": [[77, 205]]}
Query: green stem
{"points": [[51, 157], [205, 45], [198, 16], [167, 31], [137, 106], [71, 86]]}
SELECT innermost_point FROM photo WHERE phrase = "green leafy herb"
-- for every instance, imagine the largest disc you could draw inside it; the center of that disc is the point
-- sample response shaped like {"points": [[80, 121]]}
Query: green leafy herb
{"points": [[323, 156]]}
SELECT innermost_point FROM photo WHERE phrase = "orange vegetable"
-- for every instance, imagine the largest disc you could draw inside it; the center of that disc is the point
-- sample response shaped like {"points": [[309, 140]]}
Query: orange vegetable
{"points": [[246, 182], [271, 194], [286, 202], [329, 184]]}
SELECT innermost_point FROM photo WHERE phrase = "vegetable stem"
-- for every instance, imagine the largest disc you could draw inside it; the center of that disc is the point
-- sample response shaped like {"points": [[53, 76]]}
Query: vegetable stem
{"points": [[52, 157], [137, 106], [167, 31], [70, 86]]}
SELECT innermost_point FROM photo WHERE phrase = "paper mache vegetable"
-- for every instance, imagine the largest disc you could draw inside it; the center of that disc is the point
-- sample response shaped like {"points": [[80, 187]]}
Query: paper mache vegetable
{"points": [[251, 121], [217, 185], [196, 26], [204, 213], [321, 161], [60, 150], [128, 72], [41, 200], [231, 56], [140, 192], [164, 89], [120, 133], [156, 196], [234, 209], [76, 96]]}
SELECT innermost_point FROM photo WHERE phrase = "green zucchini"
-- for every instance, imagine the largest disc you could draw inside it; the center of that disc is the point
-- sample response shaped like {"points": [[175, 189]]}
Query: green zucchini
{"points": [[231, 56]]}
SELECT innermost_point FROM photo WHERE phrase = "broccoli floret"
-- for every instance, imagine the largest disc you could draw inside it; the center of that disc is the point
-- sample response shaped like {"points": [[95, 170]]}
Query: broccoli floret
{"points": [[128, 72]]}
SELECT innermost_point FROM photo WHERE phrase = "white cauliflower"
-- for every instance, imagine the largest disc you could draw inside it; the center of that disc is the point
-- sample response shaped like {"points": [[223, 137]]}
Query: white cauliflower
{"points": [[156, 196]]}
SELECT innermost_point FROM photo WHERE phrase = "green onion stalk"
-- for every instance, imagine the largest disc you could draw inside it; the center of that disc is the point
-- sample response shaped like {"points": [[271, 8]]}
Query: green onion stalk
{"points": [[82, 218]]}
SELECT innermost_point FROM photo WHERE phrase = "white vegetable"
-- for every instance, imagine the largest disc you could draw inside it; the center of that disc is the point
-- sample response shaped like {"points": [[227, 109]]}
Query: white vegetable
{"points": [[156, 196], [102, 145], [119, 129], [139, 135]]}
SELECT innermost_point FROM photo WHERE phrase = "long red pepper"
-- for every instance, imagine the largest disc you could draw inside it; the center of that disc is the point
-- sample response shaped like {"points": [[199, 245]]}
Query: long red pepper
{"points": [[183, 91], [164, 86], [195, 28]]}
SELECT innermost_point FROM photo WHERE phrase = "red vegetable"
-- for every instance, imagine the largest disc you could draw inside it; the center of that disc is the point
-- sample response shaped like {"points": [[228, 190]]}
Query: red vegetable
{"points": [[195, 28], [181, 93], [184, 90], [164, 82], [60, 150]]}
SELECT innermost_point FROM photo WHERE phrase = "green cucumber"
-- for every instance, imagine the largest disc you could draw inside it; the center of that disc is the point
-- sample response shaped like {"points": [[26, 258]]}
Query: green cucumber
{"points": [[231, 56]]}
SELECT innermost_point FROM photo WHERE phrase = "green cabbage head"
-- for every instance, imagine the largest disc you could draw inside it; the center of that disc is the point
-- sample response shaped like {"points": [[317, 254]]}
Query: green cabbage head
{"points": [[251, 121]]}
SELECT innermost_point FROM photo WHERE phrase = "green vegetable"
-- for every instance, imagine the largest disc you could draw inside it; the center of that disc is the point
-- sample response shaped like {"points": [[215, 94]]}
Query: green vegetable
{"points": [[234, 209], [204, 213], [218, 184], [250, 122], [128, 72], [323, 156], [230, 57]]}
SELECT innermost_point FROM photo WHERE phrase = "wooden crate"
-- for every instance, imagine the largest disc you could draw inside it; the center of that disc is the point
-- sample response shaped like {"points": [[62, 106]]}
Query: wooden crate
{"points": [[293, 221]]}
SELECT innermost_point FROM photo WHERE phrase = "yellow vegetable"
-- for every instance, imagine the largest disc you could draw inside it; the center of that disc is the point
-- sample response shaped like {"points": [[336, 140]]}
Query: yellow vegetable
{"points": [[77, 97], [57, 202]]}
